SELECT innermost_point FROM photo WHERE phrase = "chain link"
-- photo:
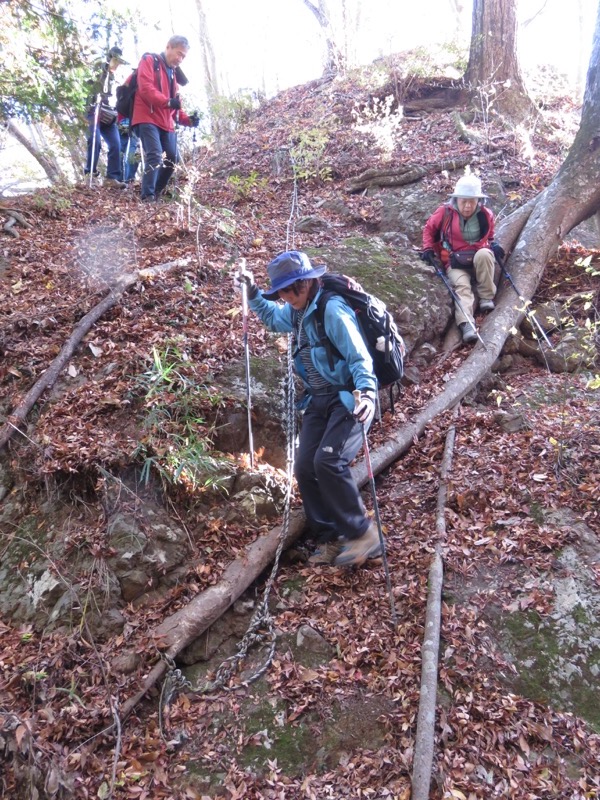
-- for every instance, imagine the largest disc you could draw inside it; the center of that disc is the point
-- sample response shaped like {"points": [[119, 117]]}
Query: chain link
{"points": [[290, 235]]}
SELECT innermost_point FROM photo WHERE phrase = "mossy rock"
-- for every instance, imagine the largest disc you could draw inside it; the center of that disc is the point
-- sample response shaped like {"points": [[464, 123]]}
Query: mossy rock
{"points": [[417, 299]]}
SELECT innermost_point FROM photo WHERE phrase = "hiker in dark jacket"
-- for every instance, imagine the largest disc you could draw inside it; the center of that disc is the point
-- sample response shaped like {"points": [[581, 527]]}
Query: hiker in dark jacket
{"points": [[330, 435], [156, 108], [460, 235], [102, 119]]}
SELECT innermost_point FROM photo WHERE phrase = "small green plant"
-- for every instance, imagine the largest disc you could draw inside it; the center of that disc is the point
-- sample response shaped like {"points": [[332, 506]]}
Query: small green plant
{"points": [[177, 443], [54, 202], [308, 155], [586, 264], [244, 186], [225, 224], [229, 114]]}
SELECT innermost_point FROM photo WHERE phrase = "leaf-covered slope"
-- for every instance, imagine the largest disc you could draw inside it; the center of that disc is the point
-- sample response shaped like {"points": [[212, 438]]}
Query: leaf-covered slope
{"points": [[341, 725]]}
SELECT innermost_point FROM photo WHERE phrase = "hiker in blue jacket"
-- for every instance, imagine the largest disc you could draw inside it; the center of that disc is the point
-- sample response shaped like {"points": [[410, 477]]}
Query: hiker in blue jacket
{"points": [[331, 434]]}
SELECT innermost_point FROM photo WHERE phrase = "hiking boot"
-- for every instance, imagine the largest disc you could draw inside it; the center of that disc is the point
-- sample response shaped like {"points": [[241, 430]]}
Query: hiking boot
{"points": [[150, 198], [325, 553], [357, 551], [469, 334], [486, 305], [114, 184]]}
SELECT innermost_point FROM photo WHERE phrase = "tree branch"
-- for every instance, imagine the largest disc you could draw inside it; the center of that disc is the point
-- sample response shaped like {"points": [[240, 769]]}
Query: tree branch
{"points": [[424, 738], [83, 326]]}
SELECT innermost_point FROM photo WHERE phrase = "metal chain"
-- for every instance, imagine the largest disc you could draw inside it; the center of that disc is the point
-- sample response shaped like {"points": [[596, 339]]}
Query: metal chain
{"points": [[290, 234], [175, 681]]}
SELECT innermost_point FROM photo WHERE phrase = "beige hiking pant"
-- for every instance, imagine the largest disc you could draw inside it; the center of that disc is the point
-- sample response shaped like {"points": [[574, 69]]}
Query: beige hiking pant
{"points": [[483, 276]]}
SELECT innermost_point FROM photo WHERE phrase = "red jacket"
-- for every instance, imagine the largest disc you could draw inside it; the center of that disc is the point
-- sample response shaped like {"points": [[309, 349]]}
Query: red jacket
{"points": [[442, 230], [153, 95]]}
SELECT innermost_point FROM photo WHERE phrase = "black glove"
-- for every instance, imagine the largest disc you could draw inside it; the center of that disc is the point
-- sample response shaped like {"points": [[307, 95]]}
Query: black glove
{"points": [[175, 103], [498, 252], [194, 120], [428, 256]]}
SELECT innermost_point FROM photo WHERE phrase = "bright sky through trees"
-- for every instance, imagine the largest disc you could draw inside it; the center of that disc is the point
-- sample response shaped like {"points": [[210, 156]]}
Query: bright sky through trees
{"points": [[272, 44], [269, 45]]}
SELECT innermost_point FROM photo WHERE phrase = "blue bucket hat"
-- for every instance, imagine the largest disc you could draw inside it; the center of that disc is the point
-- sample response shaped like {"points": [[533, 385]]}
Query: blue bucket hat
{"points": [[289, 267]]}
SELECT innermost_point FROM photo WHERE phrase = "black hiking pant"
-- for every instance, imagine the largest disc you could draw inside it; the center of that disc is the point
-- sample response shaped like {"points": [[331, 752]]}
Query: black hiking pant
{"points": [[330, 438]]}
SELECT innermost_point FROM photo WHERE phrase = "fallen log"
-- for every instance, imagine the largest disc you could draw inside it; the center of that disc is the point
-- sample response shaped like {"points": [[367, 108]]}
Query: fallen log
{"points": [[539, 230], [402, 175], [425, 735], [83, 326], [181, 628]]}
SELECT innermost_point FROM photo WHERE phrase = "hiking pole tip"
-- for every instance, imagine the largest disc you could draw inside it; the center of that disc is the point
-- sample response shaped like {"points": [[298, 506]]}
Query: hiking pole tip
{"points": [[356, 394]]}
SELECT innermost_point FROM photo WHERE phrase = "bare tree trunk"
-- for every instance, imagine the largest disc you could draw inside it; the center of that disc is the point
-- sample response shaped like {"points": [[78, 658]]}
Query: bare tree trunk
{"points": [[493, 68], [335, 58], [425, 735], [534, 234], [46, 161], [185, 625], [457, 8], [211, 82]]}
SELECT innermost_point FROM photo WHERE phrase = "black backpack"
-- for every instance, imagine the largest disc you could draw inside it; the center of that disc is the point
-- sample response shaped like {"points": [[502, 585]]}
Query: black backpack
{"points": [[126, 91], [375, 323]]}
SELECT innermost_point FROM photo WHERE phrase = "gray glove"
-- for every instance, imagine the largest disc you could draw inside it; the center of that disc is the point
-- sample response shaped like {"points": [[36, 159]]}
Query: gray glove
{"points": [[364, 407], [244, 277]]}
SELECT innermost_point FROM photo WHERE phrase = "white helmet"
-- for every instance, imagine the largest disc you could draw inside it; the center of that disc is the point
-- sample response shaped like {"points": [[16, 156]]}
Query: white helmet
{"points": [[468, 186]]}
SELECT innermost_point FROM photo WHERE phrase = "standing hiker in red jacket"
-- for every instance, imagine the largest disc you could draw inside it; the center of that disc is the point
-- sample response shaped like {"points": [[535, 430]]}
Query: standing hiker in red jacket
{"points": [[156, 109]]}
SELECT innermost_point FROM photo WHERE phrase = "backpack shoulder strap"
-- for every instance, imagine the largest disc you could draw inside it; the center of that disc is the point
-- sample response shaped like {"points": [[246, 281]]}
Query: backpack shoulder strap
{"points": [[445, 229], [324, 340], [156, 63]]}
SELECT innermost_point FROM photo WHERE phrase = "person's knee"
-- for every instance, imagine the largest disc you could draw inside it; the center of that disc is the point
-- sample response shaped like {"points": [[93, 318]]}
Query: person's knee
{"points": [[484, 258], [303, 469], [326, 464]]}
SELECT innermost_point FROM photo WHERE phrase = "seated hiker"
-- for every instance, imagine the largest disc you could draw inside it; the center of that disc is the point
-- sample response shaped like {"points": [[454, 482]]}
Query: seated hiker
{"points": [[460, 235], [102, 119], [331, 434]]}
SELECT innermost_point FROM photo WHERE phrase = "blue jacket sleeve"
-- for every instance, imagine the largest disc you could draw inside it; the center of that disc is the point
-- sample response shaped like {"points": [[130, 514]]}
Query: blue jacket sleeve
{"points": [[275, 316], [343, 330]]}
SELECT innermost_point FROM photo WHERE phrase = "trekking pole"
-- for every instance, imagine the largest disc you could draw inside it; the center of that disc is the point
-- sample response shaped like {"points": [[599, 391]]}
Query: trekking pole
{"points": [[94, 138], [386, 568], [439, 271], [535, 323], [125, 165], [104, 87], [244, 287], [176, 164]]}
